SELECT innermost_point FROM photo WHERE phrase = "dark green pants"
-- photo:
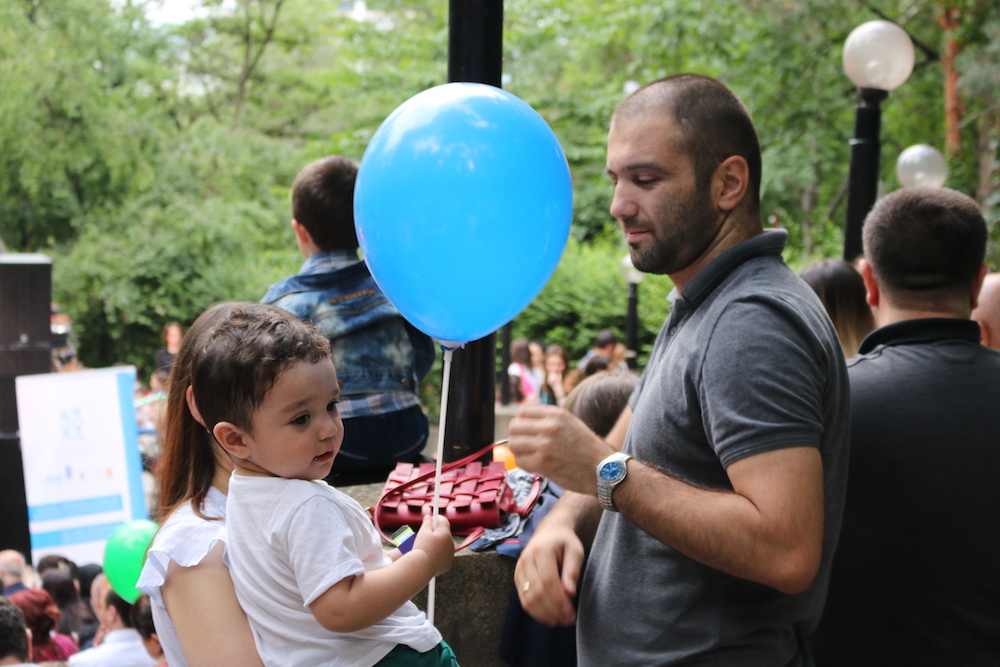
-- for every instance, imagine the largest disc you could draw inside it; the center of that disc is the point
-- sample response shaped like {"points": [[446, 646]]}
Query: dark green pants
{"points": [[404, 656]]}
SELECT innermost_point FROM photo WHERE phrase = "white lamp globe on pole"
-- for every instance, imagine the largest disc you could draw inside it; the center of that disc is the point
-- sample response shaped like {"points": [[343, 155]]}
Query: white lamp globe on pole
{"points": [[878, 54], [921, 165], [878, 57]]}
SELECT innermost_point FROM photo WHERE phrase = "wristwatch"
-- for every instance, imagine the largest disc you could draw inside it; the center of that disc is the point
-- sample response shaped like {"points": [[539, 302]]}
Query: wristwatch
{"points": [[610, 473]]}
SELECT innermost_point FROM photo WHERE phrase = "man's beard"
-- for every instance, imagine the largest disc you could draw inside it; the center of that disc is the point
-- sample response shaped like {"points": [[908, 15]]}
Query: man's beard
{"points": [[681, 233]]}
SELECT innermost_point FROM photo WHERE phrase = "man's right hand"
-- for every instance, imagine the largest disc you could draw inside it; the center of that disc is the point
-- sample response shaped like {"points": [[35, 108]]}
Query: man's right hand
{"points": [[547, 573]]}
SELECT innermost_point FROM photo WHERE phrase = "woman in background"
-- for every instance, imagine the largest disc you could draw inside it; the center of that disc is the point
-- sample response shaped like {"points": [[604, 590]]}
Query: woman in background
{"points": [[526, 370], [42, 616], [78, 618], [553, 391], [172, 334], [842, 291]]}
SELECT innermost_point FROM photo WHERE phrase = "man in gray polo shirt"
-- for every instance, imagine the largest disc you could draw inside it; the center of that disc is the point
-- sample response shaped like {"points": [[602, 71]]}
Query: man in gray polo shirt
{"points": [[712, 531]]}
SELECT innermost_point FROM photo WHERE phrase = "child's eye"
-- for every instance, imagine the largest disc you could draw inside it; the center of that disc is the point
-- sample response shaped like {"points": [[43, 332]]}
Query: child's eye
{"points": [[332, 406], [301, 420]]}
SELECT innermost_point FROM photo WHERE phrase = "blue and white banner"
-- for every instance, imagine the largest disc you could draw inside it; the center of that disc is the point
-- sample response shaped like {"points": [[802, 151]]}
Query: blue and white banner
{"points": [[82, 468]]}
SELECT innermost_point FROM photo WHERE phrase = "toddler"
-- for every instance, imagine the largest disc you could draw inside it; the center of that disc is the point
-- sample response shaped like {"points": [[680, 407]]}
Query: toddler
{"points": [[306, 562]]}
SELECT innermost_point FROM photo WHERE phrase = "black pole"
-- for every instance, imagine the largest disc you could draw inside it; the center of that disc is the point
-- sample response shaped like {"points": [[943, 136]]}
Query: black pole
{"points": [[475, 53], [475, 41], [632, 326], [862, 187], [25, 349], [505, 335]]}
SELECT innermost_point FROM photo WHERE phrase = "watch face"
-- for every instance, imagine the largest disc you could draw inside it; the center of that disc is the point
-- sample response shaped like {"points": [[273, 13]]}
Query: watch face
{"points": [[612, 470]]}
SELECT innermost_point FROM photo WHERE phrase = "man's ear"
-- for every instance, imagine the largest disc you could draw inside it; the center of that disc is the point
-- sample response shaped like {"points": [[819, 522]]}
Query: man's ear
{"points": [[868, 274], [985, 336], [978, 286], [232, 439], [730, 182], [111, 615]]}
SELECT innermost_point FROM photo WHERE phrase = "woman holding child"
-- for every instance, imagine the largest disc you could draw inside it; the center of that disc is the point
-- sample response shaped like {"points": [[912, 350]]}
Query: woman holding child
{"points": [[265, 383]]}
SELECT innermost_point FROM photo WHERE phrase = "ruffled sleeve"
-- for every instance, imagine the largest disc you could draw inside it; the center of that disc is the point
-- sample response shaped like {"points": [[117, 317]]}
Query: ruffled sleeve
{"points": [[185, 539]]}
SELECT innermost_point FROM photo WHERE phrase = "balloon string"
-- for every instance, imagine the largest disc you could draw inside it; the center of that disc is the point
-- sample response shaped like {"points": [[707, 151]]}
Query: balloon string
{"points": [[437, 469]]}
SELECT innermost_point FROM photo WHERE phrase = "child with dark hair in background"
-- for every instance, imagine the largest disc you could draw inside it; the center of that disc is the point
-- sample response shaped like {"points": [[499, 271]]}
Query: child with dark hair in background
{"points": [[598, 401], [841, 289], [381, 358]]}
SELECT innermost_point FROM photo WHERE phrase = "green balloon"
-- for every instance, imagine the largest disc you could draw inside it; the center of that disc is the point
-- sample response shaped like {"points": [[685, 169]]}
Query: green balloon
{"points": [[125, 554]]}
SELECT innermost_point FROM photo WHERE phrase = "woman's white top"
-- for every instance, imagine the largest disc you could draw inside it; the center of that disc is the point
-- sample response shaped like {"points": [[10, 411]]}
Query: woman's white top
{"points": [[185, 539]]}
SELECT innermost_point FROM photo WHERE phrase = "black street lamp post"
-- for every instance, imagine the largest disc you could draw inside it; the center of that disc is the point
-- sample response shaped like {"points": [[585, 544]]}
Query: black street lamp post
{"points": [[633, 277], [475, 53], [878, 57], [862, 187]]}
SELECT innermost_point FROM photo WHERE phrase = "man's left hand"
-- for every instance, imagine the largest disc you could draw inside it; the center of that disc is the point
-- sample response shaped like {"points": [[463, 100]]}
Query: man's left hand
{"points": [[554, 442]]}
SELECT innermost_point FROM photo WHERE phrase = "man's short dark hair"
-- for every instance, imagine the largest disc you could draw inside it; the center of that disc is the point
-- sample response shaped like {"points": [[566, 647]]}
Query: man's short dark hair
{"points": [[13, 635], [323, 202], [121, 605], [925, 242], [604, 338], [715, 123]]}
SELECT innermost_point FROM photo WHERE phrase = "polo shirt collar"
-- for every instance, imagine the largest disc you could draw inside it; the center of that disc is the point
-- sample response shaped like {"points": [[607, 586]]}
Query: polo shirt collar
{"points": [[921, 330], [771, 242]]}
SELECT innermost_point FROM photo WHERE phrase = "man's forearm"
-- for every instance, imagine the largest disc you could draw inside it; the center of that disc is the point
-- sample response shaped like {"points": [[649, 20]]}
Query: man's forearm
{"points": [[771, 531], [580, 512]]}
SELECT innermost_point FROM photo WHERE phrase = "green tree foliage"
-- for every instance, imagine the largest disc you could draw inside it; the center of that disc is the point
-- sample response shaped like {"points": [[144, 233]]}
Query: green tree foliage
{"points": [[78, 114], [153, 162], [587, 293], [212, 227]]}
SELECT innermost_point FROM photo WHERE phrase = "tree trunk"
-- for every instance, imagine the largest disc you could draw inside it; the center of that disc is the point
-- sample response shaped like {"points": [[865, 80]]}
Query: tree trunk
{"points": [[949, 20]]}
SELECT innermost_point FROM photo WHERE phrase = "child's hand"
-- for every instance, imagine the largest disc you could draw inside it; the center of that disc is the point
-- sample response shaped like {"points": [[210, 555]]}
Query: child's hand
{"points": [[434, 539]]}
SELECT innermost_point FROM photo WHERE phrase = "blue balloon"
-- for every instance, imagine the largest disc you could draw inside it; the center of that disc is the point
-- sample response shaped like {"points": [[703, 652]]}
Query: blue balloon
{"points": [[462, 206]]}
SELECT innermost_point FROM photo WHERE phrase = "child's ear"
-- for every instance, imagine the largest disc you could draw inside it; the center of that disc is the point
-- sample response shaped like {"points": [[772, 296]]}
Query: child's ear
{"points": [[232, 439], [302, 234]]}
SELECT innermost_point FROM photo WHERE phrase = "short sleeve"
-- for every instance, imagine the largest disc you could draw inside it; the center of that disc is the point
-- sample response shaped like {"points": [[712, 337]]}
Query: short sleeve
{"points": [[762, 381], [322, 547]]}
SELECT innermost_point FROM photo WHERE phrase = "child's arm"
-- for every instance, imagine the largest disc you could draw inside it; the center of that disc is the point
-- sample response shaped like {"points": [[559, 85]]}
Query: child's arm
{"points": [[358, 602]]}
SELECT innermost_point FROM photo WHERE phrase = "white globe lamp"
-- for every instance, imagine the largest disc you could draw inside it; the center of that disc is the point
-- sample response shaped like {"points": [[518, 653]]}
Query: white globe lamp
{"points": [[878, 54], [921, 165]]}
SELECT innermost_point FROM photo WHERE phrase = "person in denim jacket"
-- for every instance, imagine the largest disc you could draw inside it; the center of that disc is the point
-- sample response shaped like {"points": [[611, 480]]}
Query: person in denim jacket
{"points": [[381, 358]]}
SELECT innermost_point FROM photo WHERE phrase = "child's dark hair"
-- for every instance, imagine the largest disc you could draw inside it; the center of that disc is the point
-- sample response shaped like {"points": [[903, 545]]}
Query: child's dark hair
{"points": [[600, 399], [243, 355], [323, 201]]}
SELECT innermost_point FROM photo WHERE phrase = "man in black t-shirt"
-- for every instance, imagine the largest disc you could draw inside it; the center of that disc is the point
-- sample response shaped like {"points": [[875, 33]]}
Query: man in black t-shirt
{"points": [[914, 577]]}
